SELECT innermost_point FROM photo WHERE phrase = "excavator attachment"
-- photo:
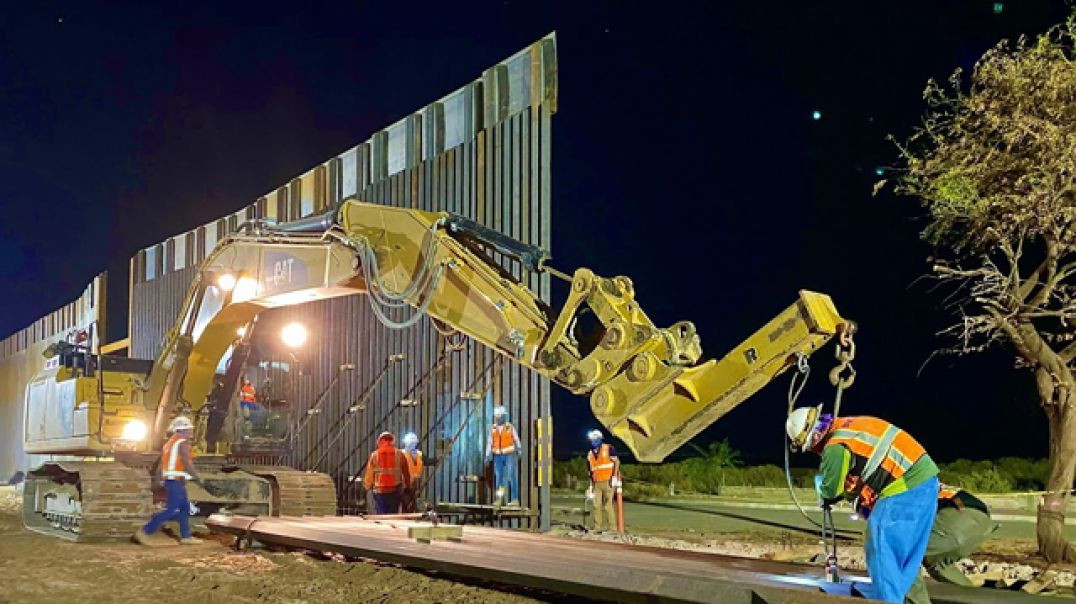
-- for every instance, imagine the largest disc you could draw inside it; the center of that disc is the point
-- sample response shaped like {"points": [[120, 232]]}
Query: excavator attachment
{"points": [[685, 400]]}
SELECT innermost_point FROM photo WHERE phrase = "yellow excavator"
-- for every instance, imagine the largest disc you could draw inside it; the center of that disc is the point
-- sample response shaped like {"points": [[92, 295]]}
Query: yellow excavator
{"points": [[645, 383]]}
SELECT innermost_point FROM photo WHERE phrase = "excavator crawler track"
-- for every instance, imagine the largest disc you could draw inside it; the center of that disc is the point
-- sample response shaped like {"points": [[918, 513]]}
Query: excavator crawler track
{"points": [[87, 501], [298, 493]]}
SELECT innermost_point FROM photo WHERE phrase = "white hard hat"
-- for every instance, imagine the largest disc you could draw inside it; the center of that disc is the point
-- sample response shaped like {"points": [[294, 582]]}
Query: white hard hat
{"points": [[386, 436], [594, 435], [181, 423], [499, 411], [800, 424], [410, 439]]}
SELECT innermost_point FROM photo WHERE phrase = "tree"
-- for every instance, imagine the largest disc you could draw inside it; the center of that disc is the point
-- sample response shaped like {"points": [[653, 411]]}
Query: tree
{"points": [[994, 165]]}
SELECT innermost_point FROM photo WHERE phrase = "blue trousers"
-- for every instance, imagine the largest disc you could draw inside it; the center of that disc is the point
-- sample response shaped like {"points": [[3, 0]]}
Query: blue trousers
{"points": [[387, 503], [177, 508], [898, 530], [504, 475]]}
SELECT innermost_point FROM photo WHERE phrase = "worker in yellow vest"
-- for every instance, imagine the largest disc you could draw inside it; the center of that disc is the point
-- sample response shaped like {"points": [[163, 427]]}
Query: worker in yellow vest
{"points": [[503, 448], [386, 475], [415, 464], [604, 466], [176, 466]]}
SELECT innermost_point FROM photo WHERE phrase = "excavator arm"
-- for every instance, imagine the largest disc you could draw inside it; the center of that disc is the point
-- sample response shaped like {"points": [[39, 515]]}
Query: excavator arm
{"points": [[645, 382]]}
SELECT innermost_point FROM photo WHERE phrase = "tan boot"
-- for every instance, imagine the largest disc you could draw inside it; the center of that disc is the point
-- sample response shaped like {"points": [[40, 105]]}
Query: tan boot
{"points": [[191, 541], [141, 537]]}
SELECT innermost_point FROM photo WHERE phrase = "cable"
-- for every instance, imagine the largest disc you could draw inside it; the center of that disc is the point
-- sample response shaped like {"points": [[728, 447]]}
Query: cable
{"points": [[804, 369]]}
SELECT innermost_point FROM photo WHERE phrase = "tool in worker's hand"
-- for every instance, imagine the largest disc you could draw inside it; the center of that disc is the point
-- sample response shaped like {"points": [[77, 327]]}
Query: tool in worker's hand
{"points": [[832, 569]]}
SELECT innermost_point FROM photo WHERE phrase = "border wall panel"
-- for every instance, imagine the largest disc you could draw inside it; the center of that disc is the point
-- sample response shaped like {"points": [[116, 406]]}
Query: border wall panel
{"points": [[482, 152]]}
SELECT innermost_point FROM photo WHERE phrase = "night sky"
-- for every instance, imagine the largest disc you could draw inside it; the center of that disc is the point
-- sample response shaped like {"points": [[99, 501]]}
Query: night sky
{"points": [[685, 156]]}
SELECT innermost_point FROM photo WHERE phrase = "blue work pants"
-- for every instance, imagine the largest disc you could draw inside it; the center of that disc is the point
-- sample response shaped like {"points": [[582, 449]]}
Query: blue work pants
{"points": [[504, 475], [176, 508], [898, 530], [387, 503]]}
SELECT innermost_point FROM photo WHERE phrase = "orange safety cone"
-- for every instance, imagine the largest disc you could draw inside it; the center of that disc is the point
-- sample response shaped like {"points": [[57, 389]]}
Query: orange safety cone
{"points": [[620, 506]]}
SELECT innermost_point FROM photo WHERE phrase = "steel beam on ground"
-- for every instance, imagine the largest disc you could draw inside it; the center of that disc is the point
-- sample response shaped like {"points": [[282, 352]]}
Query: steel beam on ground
{"points": [[592, 569]]}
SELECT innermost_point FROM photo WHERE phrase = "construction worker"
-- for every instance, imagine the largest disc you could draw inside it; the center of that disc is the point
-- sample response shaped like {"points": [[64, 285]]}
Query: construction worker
{"points": [[415, 465], [889, 475], [604, 465], [503, 448], [960, 527], [386, 475], [176, 466]]}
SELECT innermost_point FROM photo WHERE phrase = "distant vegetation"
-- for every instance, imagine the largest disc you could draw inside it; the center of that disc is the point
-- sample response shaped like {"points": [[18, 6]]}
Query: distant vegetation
{"points": [[719, 466]]}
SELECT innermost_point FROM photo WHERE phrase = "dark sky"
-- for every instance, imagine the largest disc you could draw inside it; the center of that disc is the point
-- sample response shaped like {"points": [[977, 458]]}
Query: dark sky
{"points": [[685, 156]]}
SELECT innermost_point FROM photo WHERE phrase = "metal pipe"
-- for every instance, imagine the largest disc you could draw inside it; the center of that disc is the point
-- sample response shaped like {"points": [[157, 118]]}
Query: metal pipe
{"points": [[318, 223]]}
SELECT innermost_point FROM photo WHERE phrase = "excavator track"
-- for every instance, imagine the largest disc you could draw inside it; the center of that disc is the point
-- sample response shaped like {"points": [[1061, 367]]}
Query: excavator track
{"points": [[298, 493], [87, 501]]}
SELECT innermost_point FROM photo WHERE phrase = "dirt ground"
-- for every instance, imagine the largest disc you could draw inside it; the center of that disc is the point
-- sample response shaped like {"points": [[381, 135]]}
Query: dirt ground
{"points": [[37, 568]]}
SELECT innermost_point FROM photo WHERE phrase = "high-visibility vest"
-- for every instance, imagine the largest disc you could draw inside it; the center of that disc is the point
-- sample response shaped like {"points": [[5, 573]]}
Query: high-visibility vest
{"points": [[414, 464], [601, 465], [246, 394], [503, 442], [881, 454], [172, 466], [387, 464], [947, 492]]}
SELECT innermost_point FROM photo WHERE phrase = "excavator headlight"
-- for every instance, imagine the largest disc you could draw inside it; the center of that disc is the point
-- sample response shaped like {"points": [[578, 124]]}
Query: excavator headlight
{"points": [[226, 282], [135, 430], [245, 289], [294, 335]]}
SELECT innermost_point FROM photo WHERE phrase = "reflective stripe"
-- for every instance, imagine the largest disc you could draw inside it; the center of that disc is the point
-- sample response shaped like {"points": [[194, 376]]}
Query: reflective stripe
{"points": [[866, 438], [504, 451], [881, 450]]}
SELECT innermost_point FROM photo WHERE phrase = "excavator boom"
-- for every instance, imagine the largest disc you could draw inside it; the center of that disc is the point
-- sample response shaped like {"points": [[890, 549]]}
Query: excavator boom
{"points": [[645, 382]]}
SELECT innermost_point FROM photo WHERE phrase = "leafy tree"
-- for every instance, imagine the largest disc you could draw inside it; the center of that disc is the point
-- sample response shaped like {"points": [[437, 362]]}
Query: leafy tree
{"points": [[994, 165]]}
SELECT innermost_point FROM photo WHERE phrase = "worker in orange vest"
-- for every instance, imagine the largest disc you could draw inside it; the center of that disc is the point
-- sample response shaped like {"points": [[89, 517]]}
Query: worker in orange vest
{"points": [[386, 475], [893, 481], [503, 449], [176, 466], [604, 466], [415, 464]]}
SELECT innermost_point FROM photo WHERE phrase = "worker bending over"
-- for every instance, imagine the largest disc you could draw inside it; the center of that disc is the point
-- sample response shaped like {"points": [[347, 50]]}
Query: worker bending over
{"points": [[604, 465], [386, 475], [176, 466], [415, 465], [503, 447], [960, 527], [891, 478]]}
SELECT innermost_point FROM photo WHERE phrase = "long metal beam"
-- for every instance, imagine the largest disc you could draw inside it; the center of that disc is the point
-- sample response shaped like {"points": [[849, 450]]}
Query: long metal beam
{"points": [[591, 569]]}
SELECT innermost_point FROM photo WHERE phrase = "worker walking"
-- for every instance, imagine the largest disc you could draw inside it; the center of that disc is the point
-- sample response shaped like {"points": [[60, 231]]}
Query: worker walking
{"points": [[961, 525], [415, 464], [604, 466], [503, 448], [176, 466], [386, 475], [892, 479]]}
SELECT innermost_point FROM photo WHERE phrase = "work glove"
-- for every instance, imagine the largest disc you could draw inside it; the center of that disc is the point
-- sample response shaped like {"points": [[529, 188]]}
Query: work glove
{"points": [[615, 482], [590, 493]]}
